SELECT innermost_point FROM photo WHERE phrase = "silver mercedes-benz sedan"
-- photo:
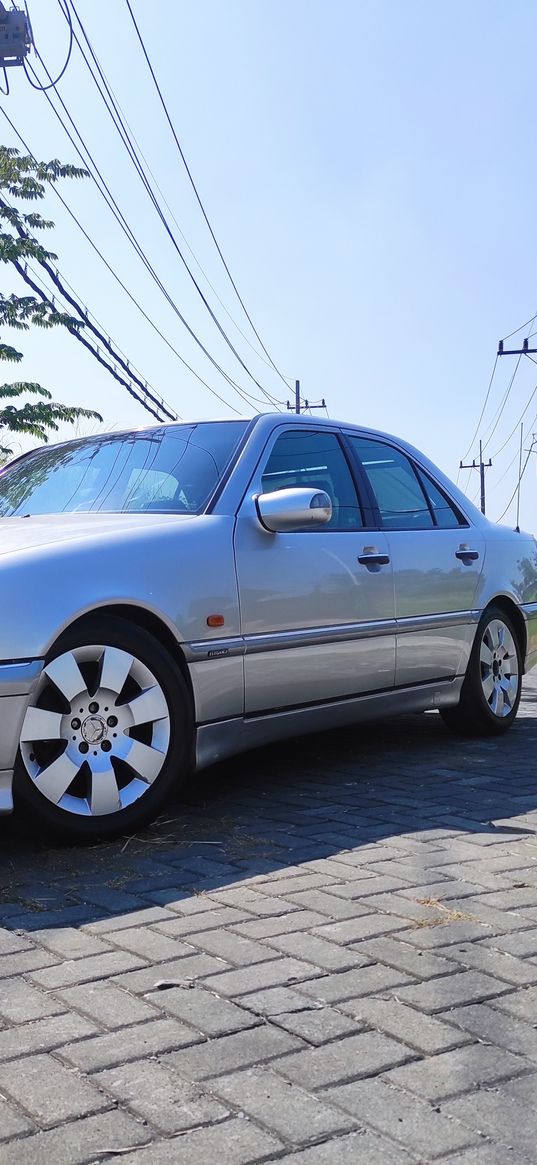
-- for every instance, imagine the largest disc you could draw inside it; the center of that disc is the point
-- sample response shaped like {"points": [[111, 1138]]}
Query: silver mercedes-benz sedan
{"points": [[172, 596]]}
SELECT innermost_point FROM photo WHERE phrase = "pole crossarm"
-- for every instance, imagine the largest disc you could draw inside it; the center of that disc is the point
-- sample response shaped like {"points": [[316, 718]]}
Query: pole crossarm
{"points": [[523, 351]]}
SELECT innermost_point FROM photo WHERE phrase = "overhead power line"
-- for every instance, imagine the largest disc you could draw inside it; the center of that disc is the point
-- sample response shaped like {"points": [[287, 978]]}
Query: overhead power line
{"points": [[96, 174], [116, 277], [23, 272], [88, 323], [520, 476], [143, 257], [497, 418], [106, 343], [122, 129], [52, 84], [485, 402], [194, 187], [146, 169]]}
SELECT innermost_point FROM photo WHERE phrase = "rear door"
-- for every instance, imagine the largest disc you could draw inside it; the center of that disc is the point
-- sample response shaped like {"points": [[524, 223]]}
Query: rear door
{"points": [[437, 562]]}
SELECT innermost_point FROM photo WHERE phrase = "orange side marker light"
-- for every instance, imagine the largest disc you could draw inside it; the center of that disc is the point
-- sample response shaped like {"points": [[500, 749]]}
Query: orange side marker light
{"points": [[215, 620]]}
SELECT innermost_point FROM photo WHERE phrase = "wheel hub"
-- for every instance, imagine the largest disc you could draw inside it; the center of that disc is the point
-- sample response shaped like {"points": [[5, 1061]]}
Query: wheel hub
{"points": [[94, 729]]}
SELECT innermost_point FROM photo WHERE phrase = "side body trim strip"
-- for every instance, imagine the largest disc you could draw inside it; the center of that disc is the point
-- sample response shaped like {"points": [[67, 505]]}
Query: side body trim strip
{"points": [[206, 649]]}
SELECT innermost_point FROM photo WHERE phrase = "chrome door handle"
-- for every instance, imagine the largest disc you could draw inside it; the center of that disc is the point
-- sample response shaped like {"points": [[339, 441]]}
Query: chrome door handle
{"points": [[466, 554], [372, 557]]}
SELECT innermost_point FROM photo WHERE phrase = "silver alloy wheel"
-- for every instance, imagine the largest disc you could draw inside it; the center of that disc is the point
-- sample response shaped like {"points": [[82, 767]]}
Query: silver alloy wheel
{"points": [[106, 746], [499, 668]]}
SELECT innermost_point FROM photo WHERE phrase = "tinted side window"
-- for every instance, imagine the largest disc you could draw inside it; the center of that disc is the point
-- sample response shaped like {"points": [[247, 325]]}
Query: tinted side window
{"points": [[315, 460], [447, 517], [400, 497]]}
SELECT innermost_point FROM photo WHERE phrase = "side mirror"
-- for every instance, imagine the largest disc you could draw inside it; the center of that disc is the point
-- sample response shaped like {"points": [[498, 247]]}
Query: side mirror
{"points": [[293, 509]]}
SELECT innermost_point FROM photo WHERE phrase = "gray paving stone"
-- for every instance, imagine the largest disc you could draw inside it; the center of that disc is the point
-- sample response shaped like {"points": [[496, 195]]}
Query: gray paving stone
{"points": [[84, 970], [12, 1123], [486, 1154], [355, 1057], [458, 931], [422, 1032], [252, 901], [149, 944], [397, 953], [523, 1089], [68, 942], [285, 1109], [48, 1091], [148, 916], [159, 1095], [78, 1142], [234, 1142], [236, 949], [352, 930], [215, 917], [21, 1003], [43, 1035], [277, 1000], [521, 1003], [482, 958], [354, 983], [184, 970], [107, 1004], [494, 1027], [11, 943], [452, 990], [273, 973], [521, 944], [265, 928], [503, 1118], [143, 1039], [279, 887], [321, 1025], [22, 961], [420, 1126], [361, 1148], [203, 1010], [243, 1049], [313, 949], [461, 1070]]}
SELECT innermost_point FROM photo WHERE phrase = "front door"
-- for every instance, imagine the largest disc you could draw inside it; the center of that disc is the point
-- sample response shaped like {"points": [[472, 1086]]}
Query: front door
{"points": [[437, 563], [318, 622]]}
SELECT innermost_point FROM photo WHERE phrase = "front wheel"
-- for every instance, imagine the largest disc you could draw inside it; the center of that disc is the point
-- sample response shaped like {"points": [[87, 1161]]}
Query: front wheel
{"points": [[492, 685], [107, 735]]}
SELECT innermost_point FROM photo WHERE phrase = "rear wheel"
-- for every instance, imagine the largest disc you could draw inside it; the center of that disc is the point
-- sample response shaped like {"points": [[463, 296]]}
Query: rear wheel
{"points": [[108, 734], [492, 686]]}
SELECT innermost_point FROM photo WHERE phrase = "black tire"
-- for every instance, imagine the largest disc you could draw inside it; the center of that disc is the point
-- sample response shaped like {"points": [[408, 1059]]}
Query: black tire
{"points": [[473, 715], [114, 632]]}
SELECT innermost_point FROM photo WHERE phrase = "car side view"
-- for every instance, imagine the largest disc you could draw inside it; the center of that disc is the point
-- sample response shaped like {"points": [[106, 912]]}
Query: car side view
{"points": [[173, 596]]}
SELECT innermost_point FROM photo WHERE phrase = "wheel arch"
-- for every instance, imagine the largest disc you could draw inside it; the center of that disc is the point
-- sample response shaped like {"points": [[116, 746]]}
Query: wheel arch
{"points": [[509, 607], [142, 618]]}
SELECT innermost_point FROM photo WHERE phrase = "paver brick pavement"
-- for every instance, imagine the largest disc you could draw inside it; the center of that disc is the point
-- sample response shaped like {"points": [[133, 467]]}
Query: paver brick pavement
{"points": [[326, 953]]}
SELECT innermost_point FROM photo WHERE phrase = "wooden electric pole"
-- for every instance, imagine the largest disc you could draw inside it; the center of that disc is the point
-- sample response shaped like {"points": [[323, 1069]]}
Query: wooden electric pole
{"points": [[302, 406], [481, 466]]}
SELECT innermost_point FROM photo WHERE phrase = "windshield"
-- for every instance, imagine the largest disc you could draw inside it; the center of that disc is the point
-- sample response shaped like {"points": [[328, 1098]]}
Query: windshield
{"points": [[174, 468]]}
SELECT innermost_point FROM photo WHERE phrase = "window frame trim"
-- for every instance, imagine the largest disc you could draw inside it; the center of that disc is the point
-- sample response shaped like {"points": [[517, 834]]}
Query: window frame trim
{"points": [[418, 470], [349, 461]]}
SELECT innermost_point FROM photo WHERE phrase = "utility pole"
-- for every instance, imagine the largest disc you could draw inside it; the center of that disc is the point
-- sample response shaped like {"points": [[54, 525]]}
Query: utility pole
{"points": [[302, 406], [519, 476], [521, 469], [481, 466]]}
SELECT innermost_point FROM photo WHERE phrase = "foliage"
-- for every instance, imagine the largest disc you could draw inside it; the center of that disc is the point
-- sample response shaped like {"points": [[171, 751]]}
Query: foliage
{"points": [[23, 178]]}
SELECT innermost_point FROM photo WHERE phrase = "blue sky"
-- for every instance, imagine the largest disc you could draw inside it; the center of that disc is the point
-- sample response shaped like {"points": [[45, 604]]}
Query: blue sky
{"points": [[370, 174]]}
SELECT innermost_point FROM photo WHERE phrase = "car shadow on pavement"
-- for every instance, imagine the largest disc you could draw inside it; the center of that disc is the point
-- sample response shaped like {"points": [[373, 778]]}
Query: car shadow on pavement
{"points": [[390, 784]]}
